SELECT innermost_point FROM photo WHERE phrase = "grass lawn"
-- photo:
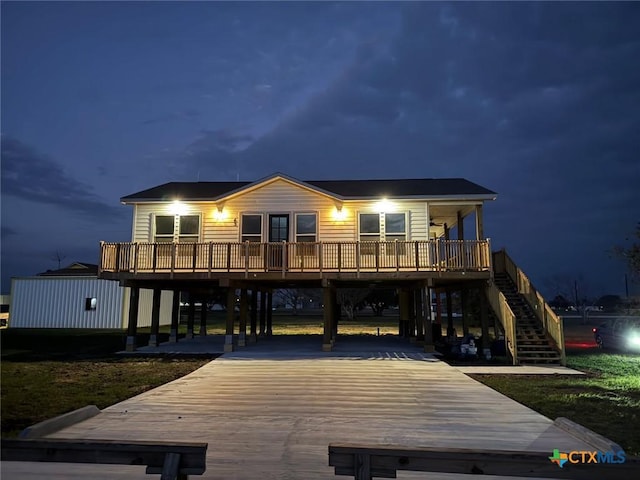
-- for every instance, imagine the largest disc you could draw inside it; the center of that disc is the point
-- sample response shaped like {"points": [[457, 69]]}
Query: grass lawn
{"points": [[606, 401], [49, 372]]}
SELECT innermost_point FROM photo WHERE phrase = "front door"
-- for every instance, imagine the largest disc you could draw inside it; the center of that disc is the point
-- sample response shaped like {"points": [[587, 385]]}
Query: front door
{"points": [[278, 233]]}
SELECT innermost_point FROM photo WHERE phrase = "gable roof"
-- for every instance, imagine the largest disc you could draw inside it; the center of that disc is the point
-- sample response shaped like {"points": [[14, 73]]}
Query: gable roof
{"points": [[76, 269], [340, 189]]}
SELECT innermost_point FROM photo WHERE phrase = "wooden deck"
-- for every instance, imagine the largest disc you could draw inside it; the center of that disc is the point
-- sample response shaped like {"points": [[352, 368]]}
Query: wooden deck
{"points": [[290, 260], [272, 415]]}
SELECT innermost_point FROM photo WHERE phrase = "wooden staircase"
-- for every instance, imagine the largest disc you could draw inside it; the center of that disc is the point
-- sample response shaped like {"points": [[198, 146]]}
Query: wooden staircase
{"points": [[533, 345]]}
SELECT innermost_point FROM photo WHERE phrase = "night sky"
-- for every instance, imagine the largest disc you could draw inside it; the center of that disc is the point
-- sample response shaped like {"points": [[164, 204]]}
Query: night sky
{"points": [[539, 102]]}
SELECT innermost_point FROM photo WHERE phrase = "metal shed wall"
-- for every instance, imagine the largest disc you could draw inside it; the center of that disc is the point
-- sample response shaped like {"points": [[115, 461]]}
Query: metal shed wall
{"points": [[59, 302], [145, 305]]}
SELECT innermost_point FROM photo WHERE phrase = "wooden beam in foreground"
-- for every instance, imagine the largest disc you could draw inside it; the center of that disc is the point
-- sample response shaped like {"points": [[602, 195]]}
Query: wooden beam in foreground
{"points": [[367, 462], [170, 460]]}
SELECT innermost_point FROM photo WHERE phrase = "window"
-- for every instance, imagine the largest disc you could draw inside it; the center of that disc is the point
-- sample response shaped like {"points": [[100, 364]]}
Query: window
{"points": [[90, 303], [164, 228], [395, 228], [189, 229], [177, 228], [369, 232], [252, 232], [306, 231]]}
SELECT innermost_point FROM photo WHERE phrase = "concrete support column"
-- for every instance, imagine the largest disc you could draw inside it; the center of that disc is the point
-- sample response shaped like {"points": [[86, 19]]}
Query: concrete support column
{"points": [[175, 317], [253, 336], [263, 313], [428, 326], [464, 300], [132, 326], [231, 314], [450, 329], [155, 317], [269, 313], [328, 299], [203, 317], [244, 311], [191, 316]]}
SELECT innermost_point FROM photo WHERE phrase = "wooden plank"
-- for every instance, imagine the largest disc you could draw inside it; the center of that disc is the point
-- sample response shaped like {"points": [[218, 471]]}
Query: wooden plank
{"points": [[192, 456]]}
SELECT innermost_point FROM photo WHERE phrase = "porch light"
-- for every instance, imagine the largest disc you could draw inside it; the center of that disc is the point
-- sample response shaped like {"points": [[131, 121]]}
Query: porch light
{"points": [[339, 213], [384, 205], [178, 208], [219, 213]]}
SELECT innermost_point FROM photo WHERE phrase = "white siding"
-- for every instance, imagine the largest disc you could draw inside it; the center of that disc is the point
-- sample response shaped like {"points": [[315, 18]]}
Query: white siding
{"points": [[145, 306], [279, 196], [46, 302]]}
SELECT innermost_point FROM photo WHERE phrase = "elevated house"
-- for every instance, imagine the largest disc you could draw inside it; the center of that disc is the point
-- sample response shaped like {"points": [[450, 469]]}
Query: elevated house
{"points": [[254, 237]]}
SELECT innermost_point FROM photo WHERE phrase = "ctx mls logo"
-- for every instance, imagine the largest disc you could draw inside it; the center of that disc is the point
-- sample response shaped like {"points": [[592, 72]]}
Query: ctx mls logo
{"points": [[582, 456], [559, 458]]}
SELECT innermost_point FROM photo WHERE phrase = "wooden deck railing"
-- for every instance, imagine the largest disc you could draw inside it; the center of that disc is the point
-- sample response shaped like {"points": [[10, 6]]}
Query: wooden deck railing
{"points": [[432, 255], [551, 322], [506, 316]]}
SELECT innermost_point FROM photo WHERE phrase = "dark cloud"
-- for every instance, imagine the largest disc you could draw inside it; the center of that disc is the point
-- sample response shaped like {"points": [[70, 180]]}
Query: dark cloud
{"points": [[29, 175]]}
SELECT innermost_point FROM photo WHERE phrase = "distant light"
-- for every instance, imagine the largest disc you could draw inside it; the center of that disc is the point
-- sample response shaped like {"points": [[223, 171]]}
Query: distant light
{"points": [[178, 208]]}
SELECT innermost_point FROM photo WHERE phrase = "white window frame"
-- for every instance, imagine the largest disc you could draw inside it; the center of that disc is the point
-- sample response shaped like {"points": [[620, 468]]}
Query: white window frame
{"points": [[295, 220], [175, 237], [254, 250], [302, 249]]}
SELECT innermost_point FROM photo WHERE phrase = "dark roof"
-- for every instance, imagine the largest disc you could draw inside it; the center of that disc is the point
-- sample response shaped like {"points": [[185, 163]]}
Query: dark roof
{"points": [[347, 189], [76, 269]]}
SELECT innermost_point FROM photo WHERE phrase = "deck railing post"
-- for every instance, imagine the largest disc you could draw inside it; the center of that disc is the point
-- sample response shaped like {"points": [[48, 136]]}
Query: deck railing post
{"points": [[358, 258], [135, 257], [210, 262], [284, 258], [154, 255], [395, 245], [118, 249], [377, 244], [174, 250], [228, 257], [417, 255], [339, 256], [320, 257], [246, 259], [195, 256]]}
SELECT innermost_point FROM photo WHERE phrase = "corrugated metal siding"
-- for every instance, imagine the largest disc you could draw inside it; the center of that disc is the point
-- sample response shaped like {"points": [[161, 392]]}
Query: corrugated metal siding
{"points": [[60, 303], [145, 307], [280, 197]]}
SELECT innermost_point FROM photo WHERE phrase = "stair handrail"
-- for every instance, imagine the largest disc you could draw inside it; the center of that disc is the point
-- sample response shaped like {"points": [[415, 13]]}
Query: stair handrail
{"points": [[551, 322], [503, 311]]}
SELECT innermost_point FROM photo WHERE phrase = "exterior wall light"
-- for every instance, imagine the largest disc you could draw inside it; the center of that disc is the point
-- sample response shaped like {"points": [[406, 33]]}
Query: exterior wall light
{"points": [[219, 213], [384, 206], [178, 208], [339, 213]]}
